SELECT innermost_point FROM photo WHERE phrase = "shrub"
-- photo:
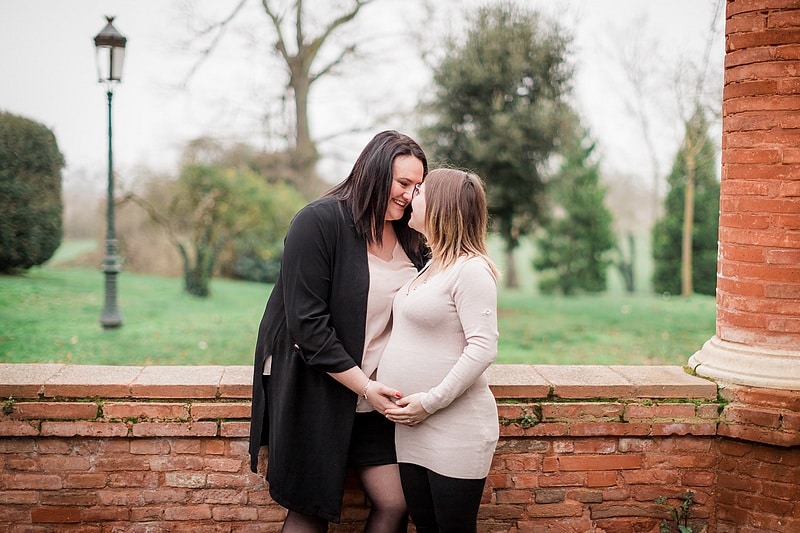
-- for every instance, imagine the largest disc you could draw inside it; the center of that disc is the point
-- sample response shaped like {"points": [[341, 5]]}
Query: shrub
{"points": [[30, 193]]}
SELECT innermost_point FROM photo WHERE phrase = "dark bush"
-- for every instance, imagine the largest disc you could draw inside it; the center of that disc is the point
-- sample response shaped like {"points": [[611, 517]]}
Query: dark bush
{"points": [[30, 193]]}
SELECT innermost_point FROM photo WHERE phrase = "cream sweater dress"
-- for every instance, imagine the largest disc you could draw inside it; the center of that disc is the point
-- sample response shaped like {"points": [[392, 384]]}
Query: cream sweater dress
{"points": [[443, 339]]}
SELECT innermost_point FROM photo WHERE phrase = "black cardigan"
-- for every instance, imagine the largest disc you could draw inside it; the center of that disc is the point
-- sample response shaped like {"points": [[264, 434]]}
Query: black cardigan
{"points": [[314, 323]]}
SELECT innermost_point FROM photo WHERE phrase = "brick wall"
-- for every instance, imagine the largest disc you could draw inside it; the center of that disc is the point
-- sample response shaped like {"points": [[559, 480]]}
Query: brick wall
{"points": [[758, 283], [101, 449]]}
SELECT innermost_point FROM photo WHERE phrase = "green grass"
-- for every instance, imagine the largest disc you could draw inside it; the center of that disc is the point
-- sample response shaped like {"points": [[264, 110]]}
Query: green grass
{"points": [[606, 330], [51, 314]]}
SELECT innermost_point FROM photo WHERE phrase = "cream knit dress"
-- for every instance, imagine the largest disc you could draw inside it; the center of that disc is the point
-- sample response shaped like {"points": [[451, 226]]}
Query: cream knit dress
{"points": [[443, 339]]}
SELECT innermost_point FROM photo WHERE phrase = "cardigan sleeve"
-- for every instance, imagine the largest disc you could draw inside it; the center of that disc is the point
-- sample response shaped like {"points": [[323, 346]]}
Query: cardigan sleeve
{"points": [[474, 294], [307, 269]]}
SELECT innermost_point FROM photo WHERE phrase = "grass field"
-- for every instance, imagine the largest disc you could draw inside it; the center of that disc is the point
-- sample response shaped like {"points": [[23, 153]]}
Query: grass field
{"points": [[51, 314]]}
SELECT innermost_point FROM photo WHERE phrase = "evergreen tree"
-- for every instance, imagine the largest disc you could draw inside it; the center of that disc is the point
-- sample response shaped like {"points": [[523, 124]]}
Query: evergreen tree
{"points": [[572, 250], [498, 109], [693, 174]]}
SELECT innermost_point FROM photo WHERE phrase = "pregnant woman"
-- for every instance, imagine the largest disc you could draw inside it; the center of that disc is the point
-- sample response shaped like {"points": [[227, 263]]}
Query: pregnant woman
{"points": [[443, 340]]}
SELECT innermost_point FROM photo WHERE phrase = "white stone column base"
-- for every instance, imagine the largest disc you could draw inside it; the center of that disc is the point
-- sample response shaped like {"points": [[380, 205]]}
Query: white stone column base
{"points": [[728, 362]]}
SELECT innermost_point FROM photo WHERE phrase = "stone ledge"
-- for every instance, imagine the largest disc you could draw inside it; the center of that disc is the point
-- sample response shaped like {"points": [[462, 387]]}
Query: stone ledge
{"points": [[24, 381]]}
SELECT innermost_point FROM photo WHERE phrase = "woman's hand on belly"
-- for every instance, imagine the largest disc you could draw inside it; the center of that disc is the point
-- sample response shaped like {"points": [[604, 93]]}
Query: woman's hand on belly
{"points": [[408, 411]]}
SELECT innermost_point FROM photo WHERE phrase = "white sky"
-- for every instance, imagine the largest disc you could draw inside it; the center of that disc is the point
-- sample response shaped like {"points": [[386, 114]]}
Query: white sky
{"points": [[48, 74]]}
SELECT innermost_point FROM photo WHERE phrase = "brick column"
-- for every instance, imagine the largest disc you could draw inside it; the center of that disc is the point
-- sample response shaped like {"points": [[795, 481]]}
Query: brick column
{"points": [[757, 341]]}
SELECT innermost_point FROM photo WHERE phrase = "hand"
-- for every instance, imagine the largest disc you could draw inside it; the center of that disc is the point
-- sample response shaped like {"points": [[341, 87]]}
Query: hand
{"points": [[381, 397], [408, 411]]}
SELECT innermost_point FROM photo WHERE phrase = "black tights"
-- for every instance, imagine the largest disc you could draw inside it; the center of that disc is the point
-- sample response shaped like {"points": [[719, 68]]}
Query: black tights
{"points": [[440, 504], [387, 513]]}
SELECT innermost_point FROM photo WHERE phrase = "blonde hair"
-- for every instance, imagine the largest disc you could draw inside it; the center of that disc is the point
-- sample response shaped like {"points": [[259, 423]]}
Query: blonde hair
{"points": [[456, 216]]}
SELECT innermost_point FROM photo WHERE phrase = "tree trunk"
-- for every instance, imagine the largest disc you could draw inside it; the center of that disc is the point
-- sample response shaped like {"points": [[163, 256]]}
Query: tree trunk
{"points": [[626, 265], [511, 269], [687, 287]]}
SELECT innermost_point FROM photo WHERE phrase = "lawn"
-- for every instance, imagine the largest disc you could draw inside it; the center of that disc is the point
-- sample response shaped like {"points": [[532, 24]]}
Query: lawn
{"points": [[51, 314]]}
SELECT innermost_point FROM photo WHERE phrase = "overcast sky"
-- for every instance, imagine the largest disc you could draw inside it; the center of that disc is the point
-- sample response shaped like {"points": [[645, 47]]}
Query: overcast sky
{"points": [[48, 74]]}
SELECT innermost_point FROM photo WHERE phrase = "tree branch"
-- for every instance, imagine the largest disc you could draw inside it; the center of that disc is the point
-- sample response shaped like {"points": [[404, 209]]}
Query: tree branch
{"points": [[206, 52]]}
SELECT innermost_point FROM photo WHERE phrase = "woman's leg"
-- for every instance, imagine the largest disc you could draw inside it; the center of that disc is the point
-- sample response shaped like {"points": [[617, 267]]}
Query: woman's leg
{"points": [[303, 523], [440, 504], [388, 513], [417, 490], [456, 502]]}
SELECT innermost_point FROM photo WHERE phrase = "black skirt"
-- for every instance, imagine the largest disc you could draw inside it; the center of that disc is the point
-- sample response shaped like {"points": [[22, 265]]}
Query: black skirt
{"points": [[372, 441]]}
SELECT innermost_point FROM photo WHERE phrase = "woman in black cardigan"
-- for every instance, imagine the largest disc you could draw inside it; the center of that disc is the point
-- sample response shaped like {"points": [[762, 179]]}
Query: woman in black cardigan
{"points": [[308, 377]]}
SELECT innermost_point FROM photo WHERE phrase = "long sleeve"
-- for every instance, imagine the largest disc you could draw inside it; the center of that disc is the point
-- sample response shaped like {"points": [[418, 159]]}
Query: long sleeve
{"points": [[307, 268], [474, 293]]}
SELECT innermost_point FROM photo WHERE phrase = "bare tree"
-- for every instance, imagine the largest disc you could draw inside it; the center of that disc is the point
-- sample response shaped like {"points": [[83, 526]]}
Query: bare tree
{"points": [[697, 100], [644, 74], [636, 55], [308, 55]]}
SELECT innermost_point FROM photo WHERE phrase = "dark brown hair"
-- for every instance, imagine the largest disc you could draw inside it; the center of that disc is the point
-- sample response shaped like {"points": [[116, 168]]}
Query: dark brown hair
{"points": [[366, 189]]}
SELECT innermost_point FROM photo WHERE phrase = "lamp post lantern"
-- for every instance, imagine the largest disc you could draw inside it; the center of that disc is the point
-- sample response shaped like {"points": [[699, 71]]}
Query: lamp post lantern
{"points": [[110, 53]]}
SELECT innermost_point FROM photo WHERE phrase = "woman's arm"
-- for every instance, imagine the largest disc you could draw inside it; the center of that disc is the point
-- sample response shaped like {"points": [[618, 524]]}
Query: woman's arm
{"points": [[475, 297]]}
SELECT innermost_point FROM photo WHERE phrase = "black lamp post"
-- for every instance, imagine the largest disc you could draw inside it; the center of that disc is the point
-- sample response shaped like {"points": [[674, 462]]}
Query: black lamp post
{"points": [[110, 47]]}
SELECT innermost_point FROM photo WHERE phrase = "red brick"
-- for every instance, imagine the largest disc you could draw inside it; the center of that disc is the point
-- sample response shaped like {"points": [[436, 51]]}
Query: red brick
{"points": [[61, 515], [591, 446], [759, 434], [749, 221], [188, 512], [222, 464], [150, 447], [514, 496], [768, 239], [767, 505], [785, 222], [791, 421], [118, 462], [553, 510], [747, 254], [145, 410], [775, 398], [234, 429], [85, 481], [66, 497], [761, 272], [784, 19], [548, 429], [58, 463], [665, 410], [510, 411], [762, 38], [26, 481], [599, 462], [55, 410], [217, 447], [743, 288], [609, 428], [601, 479], [699, 479], [175, 429], [790, 189], [683, 428], [18, 497], [751, 172], [205, 411], [224, 514], [750, 156], [746, 56], [84, 429], [164, 463], [579, 410], [106, 514], [649, 476]]}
